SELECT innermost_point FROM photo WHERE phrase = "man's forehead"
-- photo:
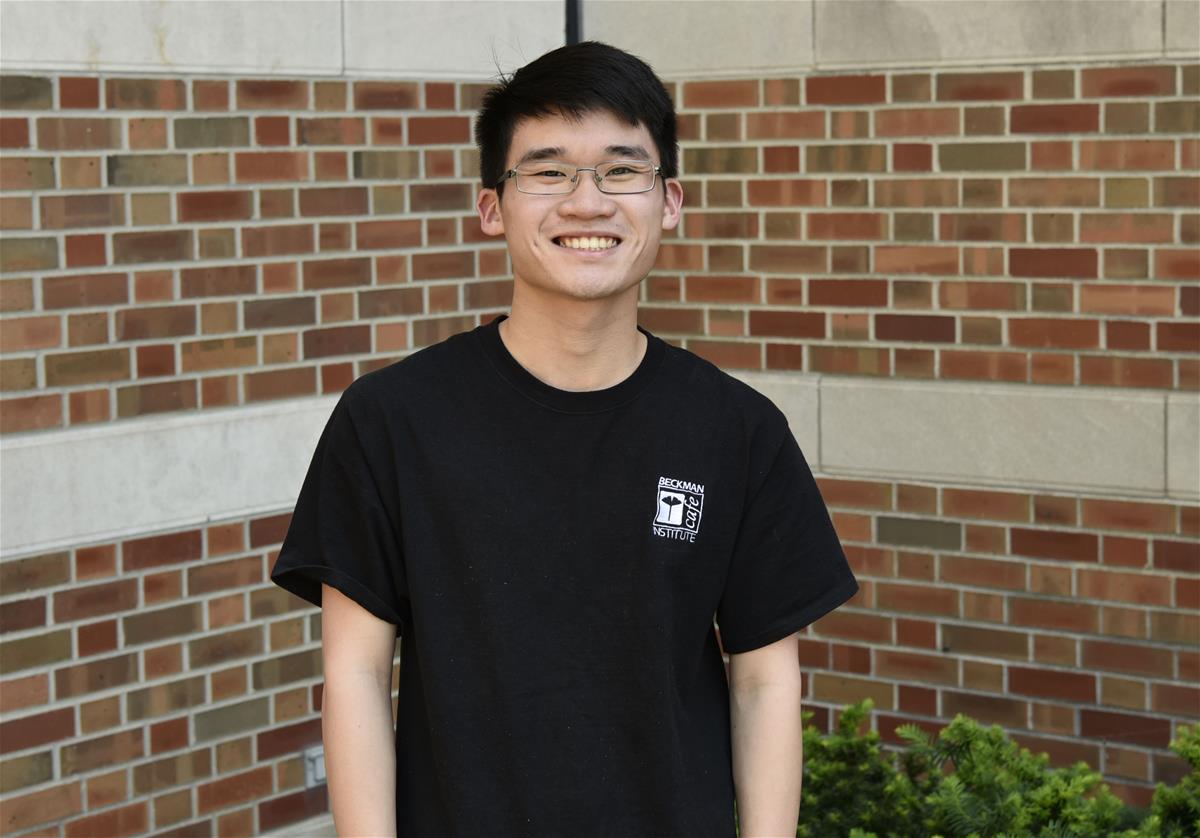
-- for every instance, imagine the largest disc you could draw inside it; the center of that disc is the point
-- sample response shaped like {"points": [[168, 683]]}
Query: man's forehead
{"points": [[556, 135]]}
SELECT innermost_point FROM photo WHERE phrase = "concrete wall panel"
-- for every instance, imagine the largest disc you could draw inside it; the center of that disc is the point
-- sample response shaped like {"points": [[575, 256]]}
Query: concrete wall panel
{"points": [[1183, 445], [211, 36], [459, 39], [76, 486], [1095, 440], [896, 32], [1182, 28], [706, 38]]}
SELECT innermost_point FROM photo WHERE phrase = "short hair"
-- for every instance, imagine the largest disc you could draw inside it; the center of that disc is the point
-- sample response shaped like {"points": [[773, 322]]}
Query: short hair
{"points": [[573, 81]]}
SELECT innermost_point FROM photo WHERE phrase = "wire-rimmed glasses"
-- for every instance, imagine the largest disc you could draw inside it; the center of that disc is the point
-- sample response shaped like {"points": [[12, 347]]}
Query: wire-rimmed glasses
{"points": [[616, 177]]}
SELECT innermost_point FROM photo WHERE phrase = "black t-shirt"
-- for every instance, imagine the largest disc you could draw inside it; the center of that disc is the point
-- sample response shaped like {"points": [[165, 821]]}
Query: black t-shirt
{"points": [[553, 561]]}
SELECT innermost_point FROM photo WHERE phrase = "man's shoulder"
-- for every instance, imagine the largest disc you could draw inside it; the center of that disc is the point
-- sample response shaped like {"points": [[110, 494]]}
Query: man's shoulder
{"points": [[708, 382]]}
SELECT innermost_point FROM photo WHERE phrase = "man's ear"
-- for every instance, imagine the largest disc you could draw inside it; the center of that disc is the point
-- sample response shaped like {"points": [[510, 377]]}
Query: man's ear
{"points": [[673, 205], [488, 207]]}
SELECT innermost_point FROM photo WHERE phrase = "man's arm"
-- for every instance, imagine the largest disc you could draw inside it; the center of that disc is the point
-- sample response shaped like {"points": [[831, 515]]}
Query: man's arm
{"points": [[356, 716], [765, 694]]}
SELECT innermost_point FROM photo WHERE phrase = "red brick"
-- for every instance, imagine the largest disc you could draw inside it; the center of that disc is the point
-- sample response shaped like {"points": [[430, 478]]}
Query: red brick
{"points": [[1055, 119], [919, 599], [1127, 155], [14, 132], [1128, 515], [909, 667], [847, 225], [1128, 658], [1177, 264], [1177, 337], [845, 90], [912, 157], [334, 200], [1137, 588], [277, 240], [144, 94], [915, 327], [786, 192], [271, 94], [909, 259], [781, 124], [1128, 81], [848, 292], [983, 573], [1052, 683], [268, 166], [1074, 263], [79, 92], [1123, 727], [1054, 192], [336, 273], [1054, 614], [216, 206], [795, 324], [66, 134], [430, 130], [720, 94], [68, 211], [30, 413], [917, 122], [916, 192], [1183, 556], [982, 226], [1054, 544], [385, 95], [1127, 301]]}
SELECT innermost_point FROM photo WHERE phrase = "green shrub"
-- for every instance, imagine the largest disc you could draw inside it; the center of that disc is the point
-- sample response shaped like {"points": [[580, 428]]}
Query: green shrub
{"points": [[972, 781]]}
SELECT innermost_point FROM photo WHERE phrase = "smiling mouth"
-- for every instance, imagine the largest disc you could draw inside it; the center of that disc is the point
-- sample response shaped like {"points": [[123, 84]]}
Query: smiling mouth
{"points": [[587, 242]]}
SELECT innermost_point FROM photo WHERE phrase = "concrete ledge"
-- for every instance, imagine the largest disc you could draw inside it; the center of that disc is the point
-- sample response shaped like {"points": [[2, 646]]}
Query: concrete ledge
{"points": [[319, 827], [213, 36], [103, 482]]}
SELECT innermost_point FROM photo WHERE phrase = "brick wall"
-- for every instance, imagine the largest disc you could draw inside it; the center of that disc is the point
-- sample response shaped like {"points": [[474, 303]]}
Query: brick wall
{"points": [[176, 244]]}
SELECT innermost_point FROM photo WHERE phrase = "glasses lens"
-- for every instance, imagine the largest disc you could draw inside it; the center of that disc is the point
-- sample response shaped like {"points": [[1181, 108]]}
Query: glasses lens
{"points": [[545, 178], [626, 176]]}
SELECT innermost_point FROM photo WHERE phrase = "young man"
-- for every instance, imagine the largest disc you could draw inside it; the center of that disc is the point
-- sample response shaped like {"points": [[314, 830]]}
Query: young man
{"points": [[550, 510]]}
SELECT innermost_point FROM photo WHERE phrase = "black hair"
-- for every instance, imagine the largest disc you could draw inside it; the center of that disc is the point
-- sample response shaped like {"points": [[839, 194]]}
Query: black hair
{"points": [[573, 81]]}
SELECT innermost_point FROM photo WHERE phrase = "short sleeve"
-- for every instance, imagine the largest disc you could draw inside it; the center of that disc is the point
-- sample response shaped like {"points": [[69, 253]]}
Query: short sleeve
{"points": [[341, 533], [788, 568]]}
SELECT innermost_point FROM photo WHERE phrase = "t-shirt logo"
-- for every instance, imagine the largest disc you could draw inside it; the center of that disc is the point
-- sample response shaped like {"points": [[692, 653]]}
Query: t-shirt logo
{"points": [[680, 505]]}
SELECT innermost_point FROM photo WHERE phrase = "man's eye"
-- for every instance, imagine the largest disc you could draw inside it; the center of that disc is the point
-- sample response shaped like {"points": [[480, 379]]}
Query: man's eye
{"points": [[621, 170], [550, 173]]}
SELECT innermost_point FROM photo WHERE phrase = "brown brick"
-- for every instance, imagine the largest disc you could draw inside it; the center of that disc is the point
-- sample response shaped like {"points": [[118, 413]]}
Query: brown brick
{"points": [[1053, 84], [67, 368], [65, 211], [370, 235], [431, 130], [30, 413], [846, 158], [915, 327], [155, 322], [919, 599], [227, 280], [219, 353], [1055, 119], [280, 384], [986, 642], [26, 172], [1127, 154], [331, 131], [269, 166], [1177, 117], [846, 90], [277, 240], [96, 675], [981, 156], [336, 273], [916, 260], [146, 169], [84, 290], [25, 93], [339, 340], [274, 313], [386, 165], [158, 246], [909, 667], [958, 87], [28, 255], [212, 132], [215, 206], [338, 200], [390, 302], [72, 134], [1122, 727], [979, 226], [89, 601], [718, 160]]}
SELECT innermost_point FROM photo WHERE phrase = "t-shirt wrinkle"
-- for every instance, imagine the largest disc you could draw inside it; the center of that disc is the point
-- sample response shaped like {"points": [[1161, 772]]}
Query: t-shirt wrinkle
{"points": [[555, 561]]}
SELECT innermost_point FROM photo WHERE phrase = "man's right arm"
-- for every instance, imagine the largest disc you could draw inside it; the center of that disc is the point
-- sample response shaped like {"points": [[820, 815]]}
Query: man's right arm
{"points": [[356, 716]]}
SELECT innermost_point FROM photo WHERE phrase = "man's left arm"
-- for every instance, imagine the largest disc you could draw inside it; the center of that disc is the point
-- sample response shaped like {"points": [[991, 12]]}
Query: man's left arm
{"points": [[765, 693]]}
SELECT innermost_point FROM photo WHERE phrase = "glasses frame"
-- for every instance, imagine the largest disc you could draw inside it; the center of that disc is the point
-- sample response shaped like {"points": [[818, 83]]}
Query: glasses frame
{"points": [[656, 173]]}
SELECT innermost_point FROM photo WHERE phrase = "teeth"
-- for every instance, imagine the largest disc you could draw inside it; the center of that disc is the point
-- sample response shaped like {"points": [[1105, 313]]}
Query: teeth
{"points": [[588, 242]]}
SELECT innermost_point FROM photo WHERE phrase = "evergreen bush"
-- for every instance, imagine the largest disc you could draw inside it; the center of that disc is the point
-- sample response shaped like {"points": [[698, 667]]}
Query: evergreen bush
{"points": [[972, 781]]}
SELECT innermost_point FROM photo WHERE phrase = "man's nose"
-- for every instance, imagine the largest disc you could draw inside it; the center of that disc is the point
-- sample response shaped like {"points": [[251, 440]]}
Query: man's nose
{"points": [[587, 199]]}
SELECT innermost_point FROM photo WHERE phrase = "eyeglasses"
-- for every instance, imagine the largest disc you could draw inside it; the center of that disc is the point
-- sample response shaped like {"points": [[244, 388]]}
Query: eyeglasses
{"points": [[617, 177]]}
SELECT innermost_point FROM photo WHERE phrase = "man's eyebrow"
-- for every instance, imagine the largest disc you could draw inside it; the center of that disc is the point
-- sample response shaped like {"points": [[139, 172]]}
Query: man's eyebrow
{"points": [[635, 151], [549, 153]]}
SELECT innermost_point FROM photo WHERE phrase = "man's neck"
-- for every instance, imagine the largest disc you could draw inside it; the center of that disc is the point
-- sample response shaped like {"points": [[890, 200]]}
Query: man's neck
{"points": [[575, 345]]}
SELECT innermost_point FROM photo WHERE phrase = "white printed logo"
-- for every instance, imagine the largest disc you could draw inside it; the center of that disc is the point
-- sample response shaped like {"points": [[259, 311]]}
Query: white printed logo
{"points": [[678, 511]]}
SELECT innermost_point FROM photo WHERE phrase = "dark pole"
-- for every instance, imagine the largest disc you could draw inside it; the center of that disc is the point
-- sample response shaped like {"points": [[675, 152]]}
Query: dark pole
{"points": [[574, 22]]}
